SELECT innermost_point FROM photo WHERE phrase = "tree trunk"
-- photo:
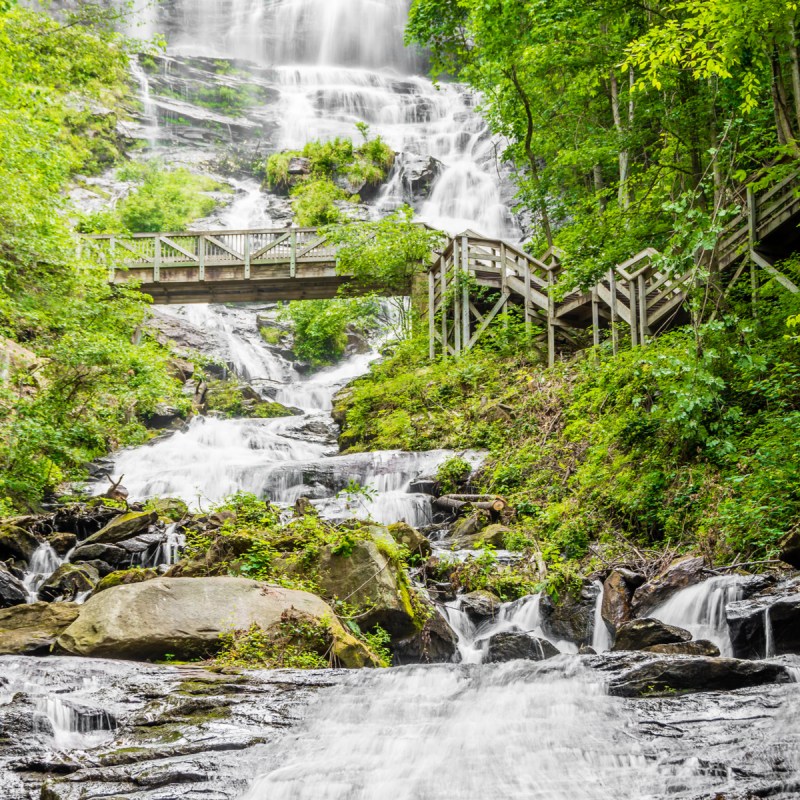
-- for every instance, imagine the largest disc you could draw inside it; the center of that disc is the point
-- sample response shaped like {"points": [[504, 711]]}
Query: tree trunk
{"points": [[780, 106], [795, 62], [624, 162], [599, 186]]}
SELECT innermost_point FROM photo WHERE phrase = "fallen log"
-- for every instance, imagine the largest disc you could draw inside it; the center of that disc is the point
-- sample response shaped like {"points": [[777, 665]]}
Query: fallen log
{"points": [[485, 502]]}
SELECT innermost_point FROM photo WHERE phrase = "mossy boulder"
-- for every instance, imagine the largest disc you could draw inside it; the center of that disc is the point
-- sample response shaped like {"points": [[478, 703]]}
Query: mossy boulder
{"points": [[69, 581], [123, 527], [189, 617], [471, 535], [171, 509], [241, 400], [31, 629], [410, 538], [124, 577], [62, 543], [368, 578], [17, 543]]}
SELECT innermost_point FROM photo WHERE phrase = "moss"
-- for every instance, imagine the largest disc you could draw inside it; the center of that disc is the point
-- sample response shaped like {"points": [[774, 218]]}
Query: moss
{"points": [[236, 401], [272, 335], [123, 577]]}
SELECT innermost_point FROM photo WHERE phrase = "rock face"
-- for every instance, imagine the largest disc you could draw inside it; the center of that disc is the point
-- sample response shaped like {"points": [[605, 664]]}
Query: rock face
{"points": [[17, 543], [12, 590], [68, 581], [618, 590], [123, 527], [701, 647], [436, 643], [765, 625], [678, 575], [32, 629], [187, 617], [480, 605], [639, 634], [572, 618], [418, 174], [665, 675], [366, 577], [511, 645]]}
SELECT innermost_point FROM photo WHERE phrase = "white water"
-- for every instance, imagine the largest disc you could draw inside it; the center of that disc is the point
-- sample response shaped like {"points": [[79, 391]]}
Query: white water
{"points": [[601, 637], [700, 609], [44, 562]]}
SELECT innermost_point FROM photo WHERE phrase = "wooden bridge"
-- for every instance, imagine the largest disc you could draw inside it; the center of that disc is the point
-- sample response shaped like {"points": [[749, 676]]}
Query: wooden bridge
{"points": [[637, 298]]}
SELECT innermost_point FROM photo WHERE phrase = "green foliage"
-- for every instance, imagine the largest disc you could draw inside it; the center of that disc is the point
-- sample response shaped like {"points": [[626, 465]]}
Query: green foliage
{"points": [[320, 326], [453, 473], [236, 401], [315, 203], [162, 200]]}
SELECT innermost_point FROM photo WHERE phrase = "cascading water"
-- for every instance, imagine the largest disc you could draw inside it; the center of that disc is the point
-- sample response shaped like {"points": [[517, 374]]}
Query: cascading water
{"points": [[44, 562]]}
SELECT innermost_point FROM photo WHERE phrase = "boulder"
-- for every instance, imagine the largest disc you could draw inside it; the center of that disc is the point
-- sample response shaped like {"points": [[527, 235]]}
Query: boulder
{"points": [[436, 643], [511, 645], [68, 581], [410, 538], [123, 527], [165, 416], [790, 548], [639, 634], [124, 577], [572, 617], [369, 580], [62, 543], [110, 553], [418, 174], [480, 605], [678, 575], [172, 509], [31, 629], [493, 535], [701, 647], [83, 519], [466, 528], [658, 676], [618, 590], [188, 617], [17, 543], [752, 622], [12, 590]]}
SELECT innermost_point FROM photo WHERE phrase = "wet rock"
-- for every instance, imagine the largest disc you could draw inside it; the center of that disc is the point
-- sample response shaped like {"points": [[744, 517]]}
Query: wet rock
{"points": [[68, 581], [466, 528], [436, 643], [654, 676], [124, 527], [411, 538], [164, 417], [775, 618], [678, 575], [83, 519], [32, 628], [188, 616], [109, 553], [366, 577], [171, 509], [510, 645], [137, 545], [572, 617], [480, 605], [474, 532], [124, 577], [12, 590], [701, 647], [62, 543], [790, 548], [618, 590], [418, 174], [639, 634], [17, 543]]}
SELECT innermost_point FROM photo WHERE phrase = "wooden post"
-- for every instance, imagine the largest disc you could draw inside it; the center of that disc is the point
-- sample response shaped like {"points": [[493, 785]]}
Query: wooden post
{"points": [[201, 257], [504, 281], [595, 318], [634, 314], [157, 260], [752, 232], [465, 292], [247, 256], [551, 321], [431, 314], [644, 328], [112, 264], [443, 302], [293, 253], [526, 274], [612, 284], [456, 300]]}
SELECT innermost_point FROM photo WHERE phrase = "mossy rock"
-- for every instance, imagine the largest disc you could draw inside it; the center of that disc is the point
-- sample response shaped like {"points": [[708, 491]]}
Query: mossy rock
{"points": [[68, 581], [124, 577], [126, 526], [17, 543], [172, 509], [410, 538]]}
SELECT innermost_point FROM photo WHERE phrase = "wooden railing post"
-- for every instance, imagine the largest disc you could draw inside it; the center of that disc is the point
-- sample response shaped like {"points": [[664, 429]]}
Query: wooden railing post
{"points": [[752, 234], [443, 302], [612, 285], [247, 256], [157, 259], [201, 257], [431, 314], [465, 292], [595, 317], [644, 328], [456, 299], [293, 254], [633, 313], [551, 320]]}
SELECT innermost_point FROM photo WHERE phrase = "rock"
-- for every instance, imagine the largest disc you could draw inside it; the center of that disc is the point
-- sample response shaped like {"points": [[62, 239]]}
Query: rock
{"points": [[17, 543], [639, 634], [571, 618], [31, 629], [367, 578], [303, 506], [124, 577], [418, 174], [68, 581], [701, 647], [110, 553], [480, 605], [299, 166], [790, 548], [219, 518], [436, 643], [165, 416], [12, 590], [659, 676], [62, 543], [172, 509], [678, 575], [472, 533], [586, 650], [411, 538], [83, 519], [618, 590], [510, 645], [467, 527], [188, 616], [124, 527], [750, 620], [143, 542]]}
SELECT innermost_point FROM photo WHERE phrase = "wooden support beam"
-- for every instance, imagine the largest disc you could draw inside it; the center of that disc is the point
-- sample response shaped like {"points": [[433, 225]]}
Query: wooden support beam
{"points": [[247, 258], [595, 318], [612, 285], [443, 295], [456, 299], [293, 253], [761, 261], [431, 316], [634, 315], [644, 330], [157, 260], [465, 292]]}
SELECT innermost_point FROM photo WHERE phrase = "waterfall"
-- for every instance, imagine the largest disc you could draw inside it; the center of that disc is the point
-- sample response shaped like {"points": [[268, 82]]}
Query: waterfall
{"points": [[44, 562], [601, 638], [769, 636], [149, 112], [700, 609]]}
